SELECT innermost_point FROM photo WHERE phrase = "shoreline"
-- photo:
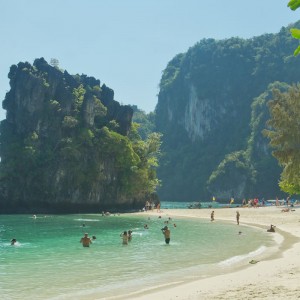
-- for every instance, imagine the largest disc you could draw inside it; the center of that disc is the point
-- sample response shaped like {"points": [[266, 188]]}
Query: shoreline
{"points": [[274, 276]]}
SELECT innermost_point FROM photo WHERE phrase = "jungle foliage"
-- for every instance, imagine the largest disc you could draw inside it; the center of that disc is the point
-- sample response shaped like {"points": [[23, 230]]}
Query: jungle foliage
{"points": [[212, 107], [293, 5], [146, 122], [284, 135], [65, 143]]}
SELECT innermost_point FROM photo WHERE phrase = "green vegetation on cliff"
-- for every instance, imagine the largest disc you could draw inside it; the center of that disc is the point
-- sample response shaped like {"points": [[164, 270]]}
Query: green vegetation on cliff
{"points": [[212, 107], [253, 170], [67, 145], [284, 135], [146, 122]]}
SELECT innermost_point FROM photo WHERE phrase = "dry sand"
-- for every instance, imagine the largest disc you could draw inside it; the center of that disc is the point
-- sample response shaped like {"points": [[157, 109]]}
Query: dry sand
{"points": [[275, 277]]}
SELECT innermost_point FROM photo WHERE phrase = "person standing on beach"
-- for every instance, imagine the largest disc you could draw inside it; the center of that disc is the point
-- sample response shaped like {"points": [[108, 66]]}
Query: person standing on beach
{"points": [[158, 207], [86, 241], [212, 216], [167, 233], [238, 217]]}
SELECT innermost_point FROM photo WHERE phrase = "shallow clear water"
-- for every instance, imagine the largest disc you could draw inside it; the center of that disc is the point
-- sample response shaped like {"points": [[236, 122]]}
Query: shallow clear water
{"points": [[48, 261]]}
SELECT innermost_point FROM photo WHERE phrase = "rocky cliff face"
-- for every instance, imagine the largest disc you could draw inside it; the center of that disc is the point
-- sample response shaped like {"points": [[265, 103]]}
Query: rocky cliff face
{"points": [[252, 171], [32, 87], [63, 143], [204, 112]]}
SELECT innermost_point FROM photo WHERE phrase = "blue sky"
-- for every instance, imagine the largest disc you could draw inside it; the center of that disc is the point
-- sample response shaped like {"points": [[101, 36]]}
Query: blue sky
{"points": [[125, 44]]}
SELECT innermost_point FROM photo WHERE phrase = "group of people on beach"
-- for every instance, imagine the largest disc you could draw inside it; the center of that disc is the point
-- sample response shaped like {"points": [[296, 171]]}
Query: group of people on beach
{"points": [[212, 218], [127, 235], [150, 205], [252, 202]]}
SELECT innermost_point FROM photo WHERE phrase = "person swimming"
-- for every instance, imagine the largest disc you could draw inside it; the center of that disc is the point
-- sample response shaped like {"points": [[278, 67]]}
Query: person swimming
{"points": [[13, 242]]}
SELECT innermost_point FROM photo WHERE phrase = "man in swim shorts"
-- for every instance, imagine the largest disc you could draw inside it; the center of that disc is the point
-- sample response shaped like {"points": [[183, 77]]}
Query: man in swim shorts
{"points": [[86, 241], [167, 233]]}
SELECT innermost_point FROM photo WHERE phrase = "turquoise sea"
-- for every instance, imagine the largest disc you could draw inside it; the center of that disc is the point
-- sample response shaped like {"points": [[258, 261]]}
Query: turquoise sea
{"points": [[48, 261]]}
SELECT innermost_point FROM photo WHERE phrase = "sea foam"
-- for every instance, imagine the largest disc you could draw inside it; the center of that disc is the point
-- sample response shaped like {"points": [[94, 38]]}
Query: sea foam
{"points": [[236, 259]]}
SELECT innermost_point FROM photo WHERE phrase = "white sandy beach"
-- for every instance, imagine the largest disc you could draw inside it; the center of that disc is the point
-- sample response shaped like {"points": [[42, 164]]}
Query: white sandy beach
{"points": [[275, 277]]}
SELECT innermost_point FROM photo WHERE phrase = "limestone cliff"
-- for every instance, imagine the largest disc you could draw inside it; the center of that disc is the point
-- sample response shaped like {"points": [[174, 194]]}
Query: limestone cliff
{"points": [[65, 145], [253, 170], [204, 112]]}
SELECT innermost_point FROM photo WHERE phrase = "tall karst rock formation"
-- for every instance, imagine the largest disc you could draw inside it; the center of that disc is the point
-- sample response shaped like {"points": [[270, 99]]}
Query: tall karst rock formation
{"points": [[65, 146], [208, 112]]}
